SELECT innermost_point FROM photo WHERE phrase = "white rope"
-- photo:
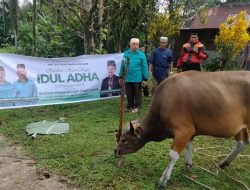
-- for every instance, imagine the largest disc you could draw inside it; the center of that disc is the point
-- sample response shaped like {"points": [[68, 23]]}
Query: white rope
{"points": [[220, 155], [198, 182], [241, 183], [217, 167], [213, 147], [212, 173]]}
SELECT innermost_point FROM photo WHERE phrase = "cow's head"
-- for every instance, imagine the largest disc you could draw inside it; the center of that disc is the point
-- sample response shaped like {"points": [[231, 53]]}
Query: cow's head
{"points": [[131, 139]]}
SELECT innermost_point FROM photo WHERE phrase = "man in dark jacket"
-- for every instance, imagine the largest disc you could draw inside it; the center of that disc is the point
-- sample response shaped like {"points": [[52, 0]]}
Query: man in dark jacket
{"points": [[161, 63], [246, 57], [110, 85]]}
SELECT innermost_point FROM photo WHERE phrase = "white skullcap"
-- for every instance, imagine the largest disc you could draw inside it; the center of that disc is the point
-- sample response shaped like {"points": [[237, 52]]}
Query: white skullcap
{"points": [[134, 40], [163, 39]]}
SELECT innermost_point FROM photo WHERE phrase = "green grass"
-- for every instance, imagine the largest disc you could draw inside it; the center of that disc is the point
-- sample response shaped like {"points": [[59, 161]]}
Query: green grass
{"points": [[85, 155], [8, 49]]}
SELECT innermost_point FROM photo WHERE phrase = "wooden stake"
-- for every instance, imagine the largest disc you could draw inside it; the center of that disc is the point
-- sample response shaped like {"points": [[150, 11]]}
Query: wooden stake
{"points": [[125, 69]]}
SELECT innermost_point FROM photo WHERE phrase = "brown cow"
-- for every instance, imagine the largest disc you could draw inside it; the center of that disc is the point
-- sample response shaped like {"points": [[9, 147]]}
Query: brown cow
{"points": [[190, 104]]}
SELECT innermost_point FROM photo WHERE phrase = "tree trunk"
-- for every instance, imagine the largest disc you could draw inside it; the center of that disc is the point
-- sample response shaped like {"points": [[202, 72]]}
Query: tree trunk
{"points": [[13, 8], [34, 29], [4, 32], [88, 26], [15, 36], [100, 19], [89, 34], [85, 44]]}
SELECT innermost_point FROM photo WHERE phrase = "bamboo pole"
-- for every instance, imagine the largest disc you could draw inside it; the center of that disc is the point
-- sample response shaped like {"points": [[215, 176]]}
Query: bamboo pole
{"points": [[118, 135], [125, 68]]}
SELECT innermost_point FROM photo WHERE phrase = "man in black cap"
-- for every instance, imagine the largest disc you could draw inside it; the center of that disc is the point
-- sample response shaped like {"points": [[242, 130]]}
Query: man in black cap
{"points": [[110, 85]]}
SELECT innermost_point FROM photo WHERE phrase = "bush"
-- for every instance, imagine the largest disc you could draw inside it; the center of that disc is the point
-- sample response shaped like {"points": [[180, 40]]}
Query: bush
{"points": [[212, 64], [215, 64], [232, 38]]}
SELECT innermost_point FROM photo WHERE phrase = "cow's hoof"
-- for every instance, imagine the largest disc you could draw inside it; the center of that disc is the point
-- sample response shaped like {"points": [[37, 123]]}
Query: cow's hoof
{"points": [[160, 186], [188, 167], [223, 165]]}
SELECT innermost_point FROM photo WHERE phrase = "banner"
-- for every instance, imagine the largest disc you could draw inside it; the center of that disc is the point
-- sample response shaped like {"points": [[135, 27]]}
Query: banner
{"points": [[32, 81]]}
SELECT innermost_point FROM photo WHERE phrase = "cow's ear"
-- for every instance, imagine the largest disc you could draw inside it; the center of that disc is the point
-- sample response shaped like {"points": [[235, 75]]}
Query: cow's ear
{"points": [[138, 132], [131, 128]]}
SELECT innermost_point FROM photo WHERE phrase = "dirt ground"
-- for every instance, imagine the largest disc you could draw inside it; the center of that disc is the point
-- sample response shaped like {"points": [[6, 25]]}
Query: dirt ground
{"points": [[18, 172]]}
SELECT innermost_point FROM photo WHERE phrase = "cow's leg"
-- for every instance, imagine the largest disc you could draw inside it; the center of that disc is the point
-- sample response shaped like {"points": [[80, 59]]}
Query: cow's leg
{"points": [[173, 157], [179, 144], [246, 136], [239, 146], [188, 155], [237, 149]]}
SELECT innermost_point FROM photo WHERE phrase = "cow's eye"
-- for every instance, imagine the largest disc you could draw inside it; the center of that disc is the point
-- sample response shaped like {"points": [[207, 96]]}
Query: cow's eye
{"points": [[123, 140]]}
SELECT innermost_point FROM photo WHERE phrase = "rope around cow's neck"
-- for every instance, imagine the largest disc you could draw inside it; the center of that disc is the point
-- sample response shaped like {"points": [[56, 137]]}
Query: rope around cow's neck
{"points": [[217, 168]]}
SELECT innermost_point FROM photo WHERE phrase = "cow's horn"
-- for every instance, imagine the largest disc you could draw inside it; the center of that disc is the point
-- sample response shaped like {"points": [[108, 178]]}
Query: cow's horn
{"points": [[131, 128]]}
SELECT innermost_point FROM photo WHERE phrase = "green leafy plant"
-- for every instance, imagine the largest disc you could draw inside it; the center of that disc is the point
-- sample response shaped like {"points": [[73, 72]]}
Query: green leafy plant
{"points": [[233, 36], [212, 64]]}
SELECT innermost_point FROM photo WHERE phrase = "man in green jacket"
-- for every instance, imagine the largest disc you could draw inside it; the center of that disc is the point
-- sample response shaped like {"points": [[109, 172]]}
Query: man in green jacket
{"points": [[135, 67]]}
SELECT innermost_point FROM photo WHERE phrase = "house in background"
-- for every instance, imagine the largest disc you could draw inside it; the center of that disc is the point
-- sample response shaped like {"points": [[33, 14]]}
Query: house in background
{"points": [[210, 28]]}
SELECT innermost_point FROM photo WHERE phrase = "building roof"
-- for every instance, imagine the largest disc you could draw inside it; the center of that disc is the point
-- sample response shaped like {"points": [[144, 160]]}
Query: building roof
{"points": [[216, 16]]}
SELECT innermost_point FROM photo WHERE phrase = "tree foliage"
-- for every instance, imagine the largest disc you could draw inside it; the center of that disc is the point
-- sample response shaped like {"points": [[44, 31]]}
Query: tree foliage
{"points": [[52, 38], [73, 27], [127, 19], [5, 27], [98, 22], [193, 7], [166, 23]]}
